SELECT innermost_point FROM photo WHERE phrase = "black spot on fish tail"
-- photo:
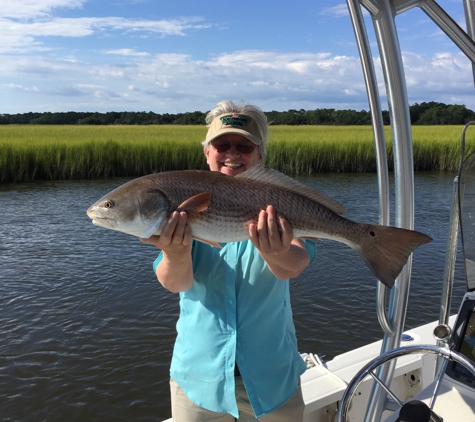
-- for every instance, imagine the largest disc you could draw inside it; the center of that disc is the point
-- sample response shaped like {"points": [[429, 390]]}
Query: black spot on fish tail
{"points": [[385, 250]]}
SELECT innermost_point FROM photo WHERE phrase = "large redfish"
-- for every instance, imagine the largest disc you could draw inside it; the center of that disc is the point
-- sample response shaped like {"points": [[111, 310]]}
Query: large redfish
{"points": [[220, 208]]}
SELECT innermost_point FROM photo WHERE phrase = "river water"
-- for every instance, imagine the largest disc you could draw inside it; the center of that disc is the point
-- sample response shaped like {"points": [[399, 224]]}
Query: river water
{"points": [[86, 331]]}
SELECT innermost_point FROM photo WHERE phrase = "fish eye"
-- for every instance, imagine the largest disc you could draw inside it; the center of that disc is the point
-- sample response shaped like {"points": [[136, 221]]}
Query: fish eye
{"points": [[108, 204]]}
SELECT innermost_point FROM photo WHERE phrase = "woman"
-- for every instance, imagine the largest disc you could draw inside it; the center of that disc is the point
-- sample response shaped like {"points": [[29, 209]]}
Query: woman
{"points": [[236, 355]]}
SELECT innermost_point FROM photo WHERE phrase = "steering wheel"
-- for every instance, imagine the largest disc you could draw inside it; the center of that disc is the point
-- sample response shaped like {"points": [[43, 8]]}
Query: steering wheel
{"points": [[394, 354]]}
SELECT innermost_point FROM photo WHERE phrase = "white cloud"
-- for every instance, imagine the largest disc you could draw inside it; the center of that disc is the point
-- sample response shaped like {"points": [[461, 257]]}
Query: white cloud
{"points": [[128, 52], [338, 11], [89, 86], [169, 81], [23, 34], [108, 72], [273, 80], [443, 72], [26, 9], [18, 87]]}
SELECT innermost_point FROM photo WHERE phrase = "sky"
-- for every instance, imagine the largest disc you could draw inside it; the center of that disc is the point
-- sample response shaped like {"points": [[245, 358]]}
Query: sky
{"points": [[181, 56]]}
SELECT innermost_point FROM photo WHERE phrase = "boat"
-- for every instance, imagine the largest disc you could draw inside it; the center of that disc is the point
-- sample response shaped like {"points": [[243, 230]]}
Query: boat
{"points": [[426, 373]]}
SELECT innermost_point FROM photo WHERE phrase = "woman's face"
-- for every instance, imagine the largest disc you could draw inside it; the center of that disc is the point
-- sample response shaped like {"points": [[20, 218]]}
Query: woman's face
{"points": [[231, 161]]}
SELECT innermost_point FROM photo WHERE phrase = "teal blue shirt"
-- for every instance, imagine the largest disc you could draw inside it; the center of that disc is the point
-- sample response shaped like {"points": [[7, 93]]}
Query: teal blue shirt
{"points": [[236, 311]]}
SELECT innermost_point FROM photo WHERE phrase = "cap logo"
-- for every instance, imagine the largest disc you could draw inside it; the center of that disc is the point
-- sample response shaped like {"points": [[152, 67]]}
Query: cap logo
{"points": [[235, 120]]}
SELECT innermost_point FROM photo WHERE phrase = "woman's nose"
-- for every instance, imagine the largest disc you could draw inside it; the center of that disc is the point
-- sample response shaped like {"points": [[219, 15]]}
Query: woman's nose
{"points": [[233, 150]]}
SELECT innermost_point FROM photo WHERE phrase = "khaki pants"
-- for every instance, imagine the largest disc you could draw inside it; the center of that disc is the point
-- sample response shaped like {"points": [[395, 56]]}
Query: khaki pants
{"points": [[184, 410]]}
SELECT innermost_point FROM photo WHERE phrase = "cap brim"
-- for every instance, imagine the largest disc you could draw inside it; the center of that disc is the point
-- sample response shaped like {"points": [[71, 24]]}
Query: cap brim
{"points": [[254, 139]]}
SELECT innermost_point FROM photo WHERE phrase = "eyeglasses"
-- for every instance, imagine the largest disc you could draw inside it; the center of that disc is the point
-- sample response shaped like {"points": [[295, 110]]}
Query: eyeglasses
{"points": [[223, 146]]}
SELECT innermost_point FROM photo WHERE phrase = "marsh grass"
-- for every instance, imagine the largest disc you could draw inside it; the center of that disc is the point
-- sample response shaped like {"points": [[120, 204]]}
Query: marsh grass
{"points": [[75, 152], [314, 149], [29, 152]]}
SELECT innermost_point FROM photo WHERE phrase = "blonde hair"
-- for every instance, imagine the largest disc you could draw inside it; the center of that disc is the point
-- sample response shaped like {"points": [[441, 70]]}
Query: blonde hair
{"points": [[254, 112]]}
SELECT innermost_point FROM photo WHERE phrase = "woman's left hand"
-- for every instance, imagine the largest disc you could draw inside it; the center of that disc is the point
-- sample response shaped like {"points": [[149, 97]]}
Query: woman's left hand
{"points": [[273, 234]]}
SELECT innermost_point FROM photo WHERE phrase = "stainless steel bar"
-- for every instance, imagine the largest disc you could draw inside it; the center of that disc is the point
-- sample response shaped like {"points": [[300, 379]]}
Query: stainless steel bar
{"points": [[469, 8], [385, 388], [449, 267], [393, 70], [438, 380], [401, 6], [371, 6], [450, 256], [450, 27], [379, 141]]}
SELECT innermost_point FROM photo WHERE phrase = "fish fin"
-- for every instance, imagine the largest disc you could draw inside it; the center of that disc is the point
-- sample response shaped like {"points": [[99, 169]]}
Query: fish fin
{"points": [[208, 242], [386, 250], [196, 204], [274, 177], [154, 229]]}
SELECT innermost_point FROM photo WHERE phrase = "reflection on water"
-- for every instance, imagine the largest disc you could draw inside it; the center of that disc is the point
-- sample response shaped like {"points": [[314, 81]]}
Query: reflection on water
{"points": [[87, 332]]}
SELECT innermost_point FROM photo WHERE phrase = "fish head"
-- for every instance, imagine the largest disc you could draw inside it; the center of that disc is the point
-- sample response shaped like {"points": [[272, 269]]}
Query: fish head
{"points": [[138, 208]]}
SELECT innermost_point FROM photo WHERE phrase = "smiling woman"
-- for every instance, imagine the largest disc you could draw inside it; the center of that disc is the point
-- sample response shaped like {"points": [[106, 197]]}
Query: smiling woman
{"points": [[235, 130]]}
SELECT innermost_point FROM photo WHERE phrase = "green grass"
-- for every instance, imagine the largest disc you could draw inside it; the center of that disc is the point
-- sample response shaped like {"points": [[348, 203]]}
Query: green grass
{"points": [[75, 152], [314, 149], [29, 152]]}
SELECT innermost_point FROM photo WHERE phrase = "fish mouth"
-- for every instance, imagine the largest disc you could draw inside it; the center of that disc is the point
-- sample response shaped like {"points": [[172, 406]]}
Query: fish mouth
{"points": [[104, 222], [90, 212], [100, 221]]}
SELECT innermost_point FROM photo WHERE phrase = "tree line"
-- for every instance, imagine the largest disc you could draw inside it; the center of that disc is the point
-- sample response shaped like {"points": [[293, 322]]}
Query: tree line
{"points": [[426, 113]]}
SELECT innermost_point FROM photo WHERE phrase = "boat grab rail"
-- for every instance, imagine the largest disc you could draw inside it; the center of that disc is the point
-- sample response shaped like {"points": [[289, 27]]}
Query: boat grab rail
{"points": [[452, 239], [379, 142], [461, 193]]}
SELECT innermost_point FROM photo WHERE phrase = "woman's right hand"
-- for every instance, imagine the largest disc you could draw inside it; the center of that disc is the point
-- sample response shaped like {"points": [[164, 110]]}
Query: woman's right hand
{"points": [[175, 271], [175, 236]]}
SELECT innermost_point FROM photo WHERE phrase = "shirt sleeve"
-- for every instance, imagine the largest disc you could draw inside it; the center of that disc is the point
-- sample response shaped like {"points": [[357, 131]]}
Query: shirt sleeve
{"points": [[310, 246], [157, 261]]}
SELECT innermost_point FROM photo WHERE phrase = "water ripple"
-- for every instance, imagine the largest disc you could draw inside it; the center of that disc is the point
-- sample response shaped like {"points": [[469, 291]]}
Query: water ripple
{"points": [[87, 332]]}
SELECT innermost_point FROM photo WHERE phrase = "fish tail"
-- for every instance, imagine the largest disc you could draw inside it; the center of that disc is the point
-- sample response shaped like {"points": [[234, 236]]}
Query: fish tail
{"points": [[385, 250]]}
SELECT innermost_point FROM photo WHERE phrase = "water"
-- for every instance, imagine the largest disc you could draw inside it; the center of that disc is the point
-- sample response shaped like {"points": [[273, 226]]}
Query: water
{"points": [[87, 332]]}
